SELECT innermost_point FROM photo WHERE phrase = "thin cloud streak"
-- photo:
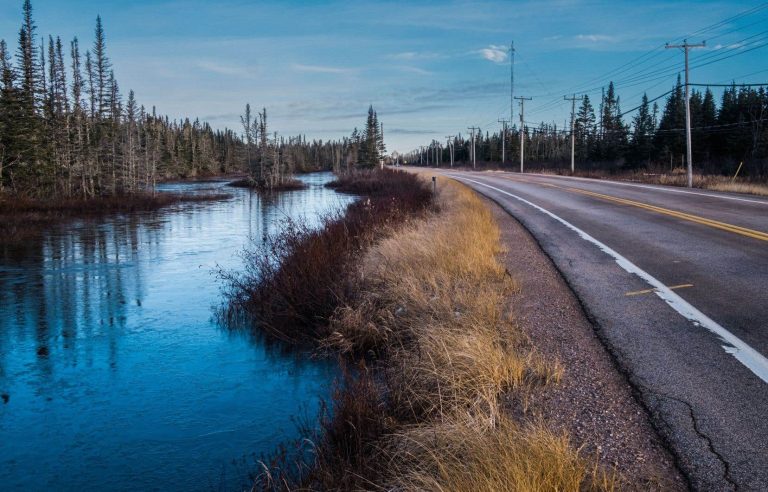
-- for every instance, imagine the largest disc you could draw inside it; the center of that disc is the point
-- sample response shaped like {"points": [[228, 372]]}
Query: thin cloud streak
{"points": [[321, 69]]}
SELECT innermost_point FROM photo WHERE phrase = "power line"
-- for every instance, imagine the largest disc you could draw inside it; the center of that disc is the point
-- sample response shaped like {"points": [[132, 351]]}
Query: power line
{"points": [[764, 84], [642, 76]]}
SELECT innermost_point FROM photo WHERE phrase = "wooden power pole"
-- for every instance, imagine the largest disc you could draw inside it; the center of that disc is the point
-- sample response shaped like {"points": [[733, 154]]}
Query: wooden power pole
{"points": [[522, 130], [687, 47], [474, 156], [573, 100], [503, 138]]}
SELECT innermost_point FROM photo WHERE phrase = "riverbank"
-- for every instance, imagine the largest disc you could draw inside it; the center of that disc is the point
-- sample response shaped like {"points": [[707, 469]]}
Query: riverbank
{"points": [[21, 217], [448, 385]]}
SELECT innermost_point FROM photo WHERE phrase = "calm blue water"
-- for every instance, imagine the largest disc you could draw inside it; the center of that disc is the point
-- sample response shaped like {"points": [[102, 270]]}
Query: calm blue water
{"points": [[117, 375]]}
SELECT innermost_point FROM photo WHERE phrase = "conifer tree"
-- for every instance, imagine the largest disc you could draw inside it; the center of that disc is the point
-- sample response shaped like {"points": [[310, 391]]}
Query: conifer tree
{"points": [[642, 134], [103, 71]]}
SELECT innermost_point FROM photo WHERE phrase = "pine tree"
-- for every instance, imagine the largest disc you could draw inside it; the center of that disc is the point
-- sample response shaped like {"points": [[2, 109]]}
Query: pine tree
{"points": [[585, 130], [614, 138], [12, 111], [642, 134], [103, 71], [372, 142], [670, 137]]}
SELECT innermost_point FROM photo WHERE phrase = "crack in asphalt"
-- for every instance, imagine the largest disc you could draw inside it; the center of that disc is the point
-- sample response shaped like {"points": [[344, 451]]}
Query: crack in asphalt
{"points": [[696, 428]]}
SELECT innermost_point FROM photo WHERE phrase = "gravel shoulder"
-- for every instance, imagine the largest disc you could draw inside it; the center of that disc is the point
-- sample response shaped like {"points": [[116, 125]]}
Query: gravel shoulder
{"points": [[594, 403]]}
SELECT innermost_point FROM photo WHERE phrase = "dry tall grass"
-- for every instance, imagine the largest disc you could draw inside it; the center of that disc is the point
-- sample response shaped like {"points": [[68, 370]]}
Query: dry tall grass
{"points": [[677, 177], [711, 182], [431, 304]]}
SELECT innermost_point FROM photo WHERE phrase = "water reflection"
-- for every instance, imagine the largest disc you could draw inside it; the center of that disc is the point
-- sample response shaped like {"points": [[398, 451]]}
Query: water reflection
{"points": [[115, 373]]}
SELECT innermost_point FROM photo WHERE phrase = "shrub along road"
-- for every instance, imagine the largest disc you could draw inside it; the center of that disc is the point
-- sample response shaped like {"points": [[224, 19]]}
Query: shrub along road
{"points": [[675, 283]]}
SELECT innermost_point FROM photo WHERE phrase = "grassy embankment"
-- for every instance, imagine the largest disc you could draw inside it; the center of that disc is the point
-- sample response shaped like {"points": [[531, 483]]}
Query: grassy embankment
{"points": [[674, 177], [677, 177], [442, 367], [22, 217]]}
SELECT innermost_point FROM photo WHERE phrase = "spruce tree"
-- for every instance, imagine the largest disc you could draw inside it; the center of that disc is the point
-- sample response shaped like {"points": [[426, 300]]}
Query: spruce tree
{"points": [[103, 71], [642, 134], [585, 130]]}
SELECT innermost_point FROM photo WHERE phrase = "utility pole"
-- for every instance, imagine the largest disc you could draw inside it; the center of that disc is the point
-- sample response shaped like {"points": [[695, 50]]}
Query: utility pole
{"points": [[686, 47], [522, 130], [449, 138], [503, 138], [511, 82], [573, 100], [474, 156]]}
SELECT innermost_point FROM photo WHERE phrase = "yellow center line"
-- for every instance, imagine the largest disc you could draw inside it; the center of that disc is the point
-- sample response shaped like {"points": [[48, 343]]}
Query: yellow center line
{"points": [[648, 291], [672, 213]]}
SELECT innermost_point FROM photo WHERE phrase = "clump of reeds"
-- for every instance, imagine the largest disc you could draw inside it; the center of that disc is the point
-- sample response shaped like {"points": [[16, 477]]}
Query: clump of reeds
{"points": [[296, 279], [288, 184]]}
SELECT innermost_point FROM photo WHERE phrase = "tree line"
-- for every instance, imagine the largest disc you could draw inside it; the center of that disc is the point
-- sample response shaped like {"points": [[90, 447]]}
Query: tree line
{"points": [[66, 130], [723, 135]]}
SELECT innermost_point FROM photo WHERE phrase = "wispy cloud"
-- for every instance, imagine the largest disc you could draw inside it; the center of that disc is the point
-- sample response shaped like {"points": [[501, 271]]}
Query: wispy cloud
{"points": [[321, 69], [733, 46], [596, 38], [416, 55], [410, 131], [494, 53], [223, 68], [416, 70]]}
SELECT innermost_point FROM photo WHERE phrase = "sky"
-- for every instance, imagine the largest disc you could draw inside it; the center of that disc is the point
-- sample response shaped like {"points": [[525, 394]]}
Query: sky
{"points": [[430, 69]]}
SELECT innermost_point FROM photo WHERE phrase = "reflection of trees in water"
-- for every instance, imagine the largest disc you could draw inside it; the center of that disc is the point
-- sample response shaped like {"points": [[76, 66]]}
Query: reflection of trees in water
{"points": [[72, 285], [66, 297]]}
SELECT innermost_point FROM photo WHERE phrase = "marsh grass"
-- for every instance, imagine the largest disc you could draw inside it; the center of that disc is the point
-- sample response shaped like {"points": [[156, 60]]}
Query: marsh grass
{"points": [[293, 282], [289, 184], [428, 307]]}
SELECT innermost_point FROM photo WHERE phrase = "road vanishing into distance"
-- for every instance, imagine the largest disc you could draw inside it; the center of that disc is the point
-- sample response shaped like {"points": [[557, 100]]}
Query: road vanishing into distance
{"points": [[676, 283]]}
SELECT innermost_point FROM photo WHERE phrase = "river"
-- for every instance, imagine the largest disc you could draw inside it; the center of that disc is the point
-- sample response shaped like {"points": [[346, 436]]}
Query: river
{"points": [[114, 373]]}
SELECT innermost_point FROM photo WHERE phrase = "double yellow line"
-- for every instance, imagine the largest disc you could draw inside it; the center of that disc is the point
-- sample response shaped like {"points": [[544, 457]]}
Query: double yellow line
{"points": [[743, 231]]}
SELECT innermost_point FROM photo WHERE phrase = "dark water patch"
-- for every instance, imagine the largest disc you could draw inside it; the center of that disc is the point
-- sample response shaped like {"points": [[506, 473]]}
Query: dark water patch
{"points": [[113, 372]]}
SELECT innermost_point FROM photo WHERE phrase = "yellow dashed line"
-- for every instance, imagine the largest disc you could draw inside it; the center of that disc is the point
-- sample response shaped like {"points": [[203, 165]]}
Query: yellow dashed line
{"points": [[665, 211]]}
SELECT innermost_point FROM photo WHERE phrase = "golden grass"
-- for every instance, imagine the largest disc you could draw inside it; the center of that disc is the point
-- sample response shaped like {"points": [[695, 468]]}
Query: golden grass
{"points": [[714, 183], [677, 177], [464, 456], [738, 187], [433, 303]]}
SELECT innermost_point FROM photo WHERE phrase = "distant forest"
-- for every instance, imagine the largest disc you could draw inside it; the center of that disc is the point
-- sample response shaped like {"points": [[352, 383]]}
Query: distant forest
{"points": [[723, 136], [66, 130]]}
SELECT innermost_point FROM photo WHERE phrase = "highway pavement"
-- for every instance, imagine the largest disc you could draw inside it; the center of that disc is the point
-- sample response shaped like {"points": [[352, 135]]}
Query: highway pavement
{"points": [[676, 283]]}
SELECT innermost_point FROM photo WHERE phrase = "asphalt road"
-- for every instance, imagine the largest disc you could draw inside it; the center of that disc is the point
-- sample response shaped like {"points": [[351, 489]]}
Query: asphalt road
{"points": [[676, 283]]}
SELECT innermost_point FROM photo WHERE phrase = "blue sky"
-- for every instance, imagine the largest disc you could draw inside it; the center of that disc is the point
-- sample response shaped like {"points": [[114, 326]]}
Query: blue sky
{"points": [[429, 68]]}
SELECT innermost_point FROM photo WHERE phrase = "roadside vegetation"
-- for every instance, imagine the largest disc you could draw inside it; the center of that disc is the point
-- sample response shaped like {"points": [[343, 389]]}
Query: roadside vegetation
{"points": [[437, 376], [677, 177]]}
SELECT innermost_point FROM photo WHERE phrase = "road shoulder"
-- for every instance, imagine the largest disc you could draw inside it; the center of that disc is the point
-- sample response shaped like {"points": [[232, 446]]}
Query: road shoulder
{"points": [[594, 402]]}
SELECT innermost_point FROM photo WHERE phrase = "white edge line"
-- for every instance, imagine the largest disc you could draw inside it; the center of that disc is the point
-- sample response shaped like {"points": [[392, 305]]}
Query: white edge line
{"points": [[749, 357], [651, 187]]}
